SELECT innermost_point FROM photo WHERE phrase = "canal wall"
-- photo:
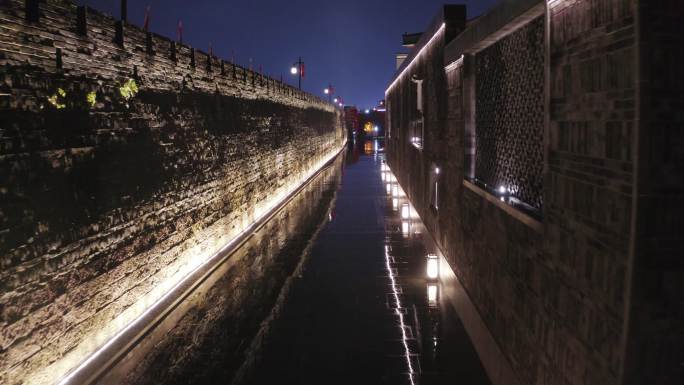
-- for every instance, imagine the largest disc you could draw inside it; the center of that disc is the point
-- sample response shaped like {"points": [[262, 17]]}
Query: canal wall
{"points": [[571, 271], [126, 161]]}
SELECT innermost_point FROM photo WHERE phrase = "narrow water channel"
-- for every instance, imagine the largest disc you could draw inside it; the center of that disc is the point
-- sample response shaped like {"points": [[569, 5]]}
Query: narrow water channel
{"points": [[363, 309], [333, 289]]}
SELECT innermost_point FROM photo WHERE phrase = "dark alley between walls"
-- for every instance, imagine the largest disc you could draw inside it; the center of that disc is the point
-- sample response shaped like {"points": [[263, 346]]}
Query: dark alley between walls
{"points": [[485, 192], [334, 289]]}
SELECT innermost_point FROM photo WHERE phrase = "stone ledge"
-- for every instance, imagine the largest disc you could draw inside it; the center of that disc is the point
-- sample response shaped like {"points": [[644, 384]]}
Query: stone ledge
{"points": [[520, 216]]}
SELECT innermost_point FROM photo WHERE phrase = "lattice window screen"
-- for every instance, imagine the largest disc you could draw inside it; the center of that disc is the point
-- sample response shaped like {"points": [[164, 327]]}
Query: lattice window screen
{"points": [[510, 114]]}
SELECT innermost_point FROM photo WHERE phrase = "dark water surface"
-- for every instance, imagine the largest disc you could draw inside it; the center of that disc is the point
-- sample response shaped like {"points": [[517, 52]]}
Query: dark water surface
{"points": [[331, 290], [358, 311]]}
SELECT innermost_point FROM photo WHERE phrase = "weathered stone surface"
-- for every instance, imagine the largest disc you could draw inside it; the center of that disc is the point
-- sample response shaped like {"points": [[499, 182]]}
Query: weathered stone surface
{"points": [[106, 202], [591, 292]]}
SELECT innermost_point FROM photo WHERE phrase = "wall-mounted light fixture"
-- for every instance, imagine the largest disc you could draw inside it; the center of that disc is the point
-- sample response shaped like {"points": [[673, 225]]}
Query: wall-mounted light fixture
{"points": [[504, 192]]}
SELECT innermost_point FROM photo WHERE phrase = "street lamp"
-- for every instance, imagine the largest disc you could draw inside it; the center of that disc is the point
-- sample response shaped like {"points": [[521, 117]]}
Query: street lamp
{"points": [[298, 69]]}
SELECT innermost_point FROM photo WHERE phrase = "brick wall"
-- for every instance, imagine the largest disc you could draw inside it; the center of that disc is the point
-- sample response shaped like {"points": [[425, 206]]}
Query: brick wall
{"points": [[590, 181], [106, 201], [590, 291]]}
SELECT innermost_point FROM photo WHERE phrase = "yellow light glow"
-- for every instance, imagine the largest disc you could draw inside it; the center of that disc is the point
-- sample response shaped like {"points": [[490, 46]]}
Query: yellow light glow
{"points": [[207, 248]]}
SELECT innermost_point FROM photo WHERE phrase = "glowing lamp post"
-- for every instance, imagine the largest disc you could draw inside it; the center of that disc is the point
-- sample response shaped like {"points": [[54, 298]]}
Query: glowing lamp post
{"points": [[298, 69]]}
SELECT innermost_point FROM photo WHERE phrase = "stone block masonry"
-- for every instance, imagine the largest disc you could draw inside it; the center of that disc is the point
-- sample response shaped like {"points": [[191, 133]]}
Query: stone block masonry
{"points": [[126, 160], [587, 288]]}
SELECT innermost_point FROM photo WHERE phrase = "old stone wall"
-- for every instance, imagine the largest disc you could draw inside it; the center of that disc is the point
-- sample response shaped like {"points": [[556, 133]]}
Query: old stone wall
{"points": [[588, 292], [217, 334], [126, 160]]}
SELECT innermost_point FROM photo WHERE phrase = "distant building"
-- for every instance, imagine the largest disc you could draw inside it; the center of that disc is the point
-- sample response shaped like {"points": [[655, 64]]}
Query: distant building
{"points": [[372, 121]]}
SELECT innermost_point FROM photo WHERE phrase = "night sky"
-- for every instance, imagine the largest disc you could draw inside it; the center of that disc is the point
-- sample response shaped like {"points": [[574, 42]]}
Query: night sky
{"points": [[350, 44]]}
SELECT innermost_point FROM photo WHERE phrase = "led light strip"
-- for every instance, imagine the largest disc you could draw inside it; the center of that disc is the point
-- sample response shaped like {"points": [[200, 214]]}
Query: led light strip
{"points": [[457, 63], [127, 336], [402, 325], [439, 31]]}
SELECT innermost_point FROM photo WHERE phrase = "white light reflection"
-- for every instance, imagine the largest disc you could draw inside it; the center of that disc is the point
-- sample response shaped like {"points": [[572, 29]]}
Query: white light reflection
{"points": [[389, 188], [395, 204], [382, 175], [395, 190], [405, 228], [397, 310], [433, 295], [405, 211], [432, 266]]}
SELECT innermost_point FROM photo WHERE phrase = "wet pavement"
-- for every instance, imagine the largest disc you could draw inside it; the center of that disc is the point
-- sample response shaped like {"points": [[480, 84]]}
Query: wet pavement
{"points": [[362, 309]]}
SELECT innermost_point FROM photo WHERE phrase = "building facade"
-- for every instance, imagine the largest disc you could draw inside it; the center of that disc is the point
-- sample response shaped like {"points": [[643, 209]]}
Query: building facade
{"points": [[542, 146]]}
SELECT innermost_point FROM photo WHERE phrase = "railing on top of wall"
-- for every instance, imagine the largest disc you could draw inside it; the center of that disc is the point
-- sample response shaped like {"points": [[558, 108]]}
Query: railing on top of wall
{"points": [[144, 46]]}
